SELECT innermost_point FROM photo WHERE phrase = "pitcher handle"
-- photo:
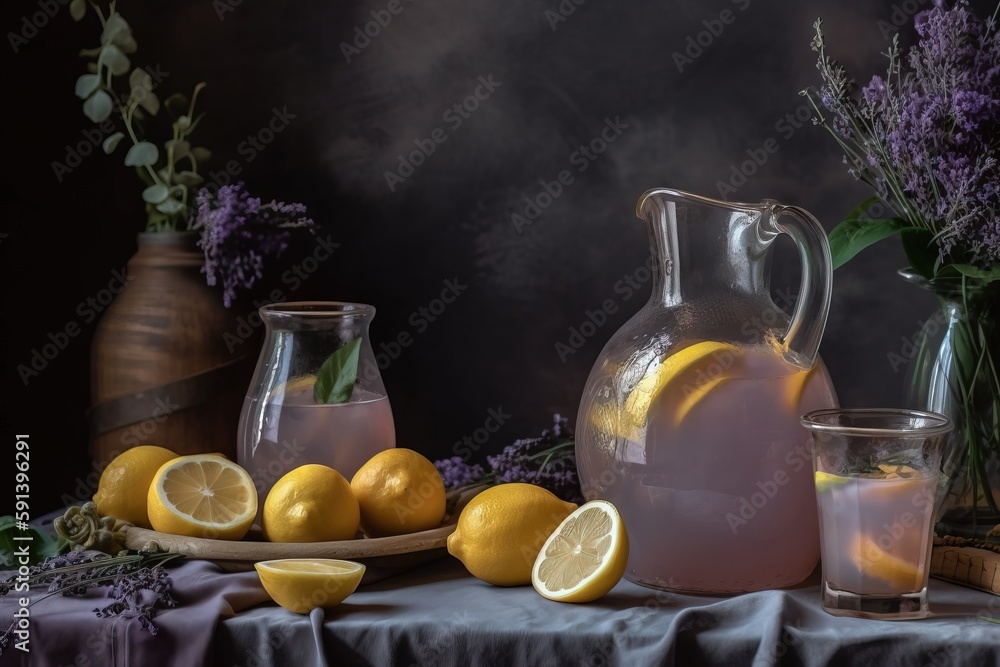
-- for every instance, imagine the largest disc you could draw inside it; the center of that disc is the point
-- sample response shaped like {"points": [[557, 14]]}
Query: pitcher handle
{"points": [[805, 331]]}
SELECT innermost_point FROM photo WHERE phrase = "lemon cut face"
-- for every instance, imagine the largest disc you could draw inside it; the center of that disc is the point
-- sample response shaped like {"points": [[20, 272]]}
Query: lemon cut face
{"points": [[585, 557], [202, 496], [303, 584]]}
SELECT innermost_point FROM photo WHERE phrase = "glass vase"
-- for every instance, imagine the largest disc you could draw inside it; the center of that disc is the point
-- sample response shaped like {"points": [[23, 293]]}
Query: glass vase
{"points": [[953, 370], [282, 425]]}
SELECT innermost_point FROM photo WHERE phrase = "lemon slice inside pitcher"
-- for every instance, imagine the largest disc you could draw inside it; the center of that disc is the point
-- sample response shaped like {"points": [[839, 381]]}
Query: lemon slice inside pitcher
{"points": [[681, 371]]}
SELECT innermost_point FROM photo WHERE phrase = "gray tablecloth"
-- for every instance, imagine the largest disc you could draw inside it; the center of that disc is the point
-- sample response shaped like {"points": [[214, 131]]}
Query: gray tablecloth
{"points": [[439, 615]]}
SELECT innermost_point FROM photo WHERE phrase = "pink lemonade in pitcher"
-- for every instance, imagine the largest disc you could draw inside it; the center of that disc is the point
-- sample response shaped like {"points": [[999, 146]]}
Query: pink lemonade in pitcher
{"points": [[720, 496]]}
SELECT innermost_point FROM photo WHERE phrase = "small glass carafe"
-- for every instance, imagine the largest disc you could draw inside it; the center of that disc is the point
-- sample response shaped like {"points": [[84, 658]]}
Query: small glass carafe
{"points": [[282, 426]]}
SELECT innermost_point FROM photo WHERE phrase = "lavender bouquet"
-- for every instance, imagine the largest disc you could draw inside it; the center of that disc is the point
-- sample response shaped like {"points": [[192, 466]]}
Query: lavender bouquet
{"points": [[548, 461], [237, 231], [926, 138]]}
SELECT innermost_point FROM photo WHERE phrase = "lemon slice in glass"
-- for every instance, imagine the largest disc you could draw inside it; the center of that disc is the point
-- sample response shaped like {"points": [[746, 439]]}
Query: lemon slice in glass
{"points": [[872, 560], [304, 584], [827, 480], [585, 557]]}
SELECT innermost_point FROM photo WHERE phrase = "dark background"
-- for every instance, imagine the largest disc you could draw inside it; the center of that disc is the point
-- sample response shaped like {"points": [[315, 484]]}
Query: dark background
{"points": [[451, 219]]}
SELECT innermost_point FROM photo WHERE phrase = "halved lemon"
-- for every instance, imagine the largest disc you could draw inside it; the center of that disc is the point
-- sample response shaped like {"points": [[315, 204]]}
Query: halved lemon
{"points": [[872, 560], [202, 495], [304, 584], [585, 557]]}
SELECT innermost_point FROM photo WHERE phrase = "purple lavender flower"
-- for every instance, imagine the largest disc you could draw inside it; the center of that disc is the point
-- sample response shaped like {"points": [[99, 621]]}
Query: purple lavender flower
{"points": [[927, 136], [548, 461], [238, 233], [457, 473]]}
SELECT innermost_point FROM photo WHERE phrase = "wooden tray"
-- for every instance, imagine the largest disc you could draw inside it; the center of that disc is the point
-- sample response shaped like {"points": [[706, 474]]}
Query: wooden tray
{"points": [[382, 556], [954, 560]]}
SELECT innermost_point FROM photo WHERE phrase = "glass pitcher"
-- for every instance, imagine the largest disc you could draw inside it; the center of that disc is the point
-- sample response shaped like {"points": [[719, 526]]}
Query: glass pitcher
{"points": [[282, 426], [689, 421]]}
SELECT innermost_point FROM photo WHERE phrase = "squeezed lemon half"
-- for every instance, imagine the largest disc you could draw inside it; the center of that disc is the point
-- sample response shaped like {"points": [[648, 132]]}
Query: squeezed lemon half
{"points": [[304, 584], [585, 557]]}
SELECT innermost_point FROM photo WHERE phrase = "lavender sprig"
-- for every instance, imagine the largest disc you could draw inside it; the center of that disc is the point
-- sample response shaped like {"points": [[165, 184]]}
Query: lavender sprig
{"points": [[548, 461], [137, 582], [238, 232]]}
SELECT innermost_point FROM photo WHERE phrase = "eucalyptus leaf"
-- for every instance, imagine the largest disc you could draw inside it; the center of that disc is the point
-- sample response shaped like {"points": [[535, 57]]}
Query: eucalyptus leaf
{"points": [[143, 154], [855, 234], [176, 104], [336, 377], [181, 148], [115, 60], [98, 107], [78, 9], [170, 206], [189, 178], [183, 123], [139, 78], [150, 102], [201, 154], [86, 85], [116, 30], [111, 143], [155, 193], [90, 53]]}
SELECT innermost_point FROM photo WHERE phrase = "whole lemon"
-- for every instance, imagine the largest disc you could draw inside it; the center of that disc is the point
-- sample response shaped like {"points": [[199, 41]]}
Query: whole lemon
{"points": [[121, 493], [501, 531], [400, 491], [312, 503]]}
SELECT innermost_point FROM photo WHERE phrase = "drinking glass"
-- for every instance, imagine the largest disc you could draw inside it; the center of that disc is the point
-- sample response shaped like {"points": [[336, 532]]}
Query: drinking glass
{"points": [[876, 473]]}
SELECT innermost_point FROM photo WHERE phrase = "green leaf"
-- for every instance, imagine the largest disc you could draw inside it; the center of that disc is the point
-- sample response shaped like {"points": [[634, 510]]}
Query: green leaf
{"points": [[183, 123], [118, 33], [336, 377], [189, 178], [78, 9], [181, 148], [986, 275], [176, 104], [86, 85], [201, 154], [115, 60], [41, 546], [855, 234], [150, 102], [918, 244], [143, 154], [98, 107], [170, 206], [111, 143], [155, 193]]}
